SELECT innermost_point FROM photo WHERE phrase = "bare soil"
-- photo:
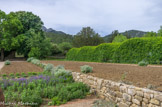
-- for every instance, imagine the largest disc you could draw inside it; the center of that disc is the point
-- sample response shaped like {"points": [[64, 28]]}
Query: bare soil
{"points": [[136, 75], [19, 67], [87, 102]]}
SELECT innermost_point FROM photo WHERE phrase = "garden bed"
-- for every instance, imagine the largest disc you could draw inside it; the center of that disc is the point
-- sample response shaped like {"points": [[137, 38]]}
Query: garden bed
{"points": [[20, 67], [129, 73]]}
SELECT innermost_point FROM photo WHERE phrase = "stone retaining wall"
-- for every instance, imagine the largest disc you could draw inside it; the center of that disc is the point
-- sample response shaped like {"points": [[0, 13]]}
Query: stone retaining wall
{"points": [[124, 95]]}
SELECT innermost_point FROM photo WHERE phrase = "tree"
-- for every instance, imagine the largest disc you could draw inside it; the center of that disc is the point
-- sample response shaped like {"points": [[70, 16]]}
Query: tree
{"points": [[38, 45], [35, 40], [150, 34], [64, 47], [114, 34], [119, 38], [160, 31], [10, 28], [87, 37]]}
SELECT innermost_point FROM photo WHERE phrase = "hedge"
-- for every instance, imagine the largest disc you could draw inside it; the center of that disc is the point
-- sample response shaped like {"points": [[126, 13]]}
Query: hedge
{"points": [[137, 49], [104, 52], [100, 53]]}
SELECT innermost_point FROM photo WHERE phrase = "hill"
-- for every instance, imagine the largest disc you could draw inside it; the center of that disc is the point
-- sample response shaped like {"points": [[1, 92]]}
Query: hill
{"points": [[128, 34], [57, 36]]}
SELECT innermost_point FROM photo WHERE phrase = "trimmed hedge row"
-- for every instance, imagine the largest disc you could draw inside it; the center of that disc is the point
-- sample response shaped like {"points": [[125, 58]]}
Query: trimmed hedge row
{"points": [[101, 53], [130, 51], [137, 49]]}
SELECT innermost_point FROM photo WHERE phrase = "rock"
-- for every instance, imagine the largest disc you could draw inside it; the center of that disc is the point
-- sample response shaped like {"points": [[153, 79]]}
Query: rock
{"points": [[119, 94], [123, 105], [144, 104], [139, 93], [158, 97], [145, 100], [138, 98], [127, 97], [154, 101], [131, 91], [146, 95], [123, 89], [136, 101]]}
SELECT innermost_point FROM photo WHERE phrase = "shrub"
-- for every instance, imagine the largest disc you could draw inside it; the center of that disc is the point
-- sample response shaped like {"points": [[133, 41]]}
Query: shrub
{"points": [[143, 63], [17, 74], [7, 62], [137, 49], [57, 69], [104, 52], [31, 97], [30, 59], [35, 61], [64, 47], [72, 54], [4, 75], [11, 75], [48, 68], [69, 92], [101, 53], [86, 69]]}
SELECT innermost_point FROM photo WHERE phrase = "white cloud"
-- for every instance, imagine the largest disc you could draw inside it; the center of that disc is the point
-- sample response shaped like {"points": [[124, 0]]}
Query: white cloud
{"points": [[102, 15]]}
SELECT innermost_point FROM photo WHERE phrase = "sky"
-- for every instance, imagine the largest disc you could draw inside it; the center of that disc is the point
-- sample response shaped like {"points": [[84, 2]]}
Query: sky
{"points": [[104, 16]]}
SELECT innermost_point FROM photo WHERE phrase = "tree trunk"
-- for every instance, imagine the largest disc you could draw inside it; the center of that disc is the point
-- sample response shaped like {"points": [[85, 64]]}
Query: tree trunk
{"points": [[2, 54]]}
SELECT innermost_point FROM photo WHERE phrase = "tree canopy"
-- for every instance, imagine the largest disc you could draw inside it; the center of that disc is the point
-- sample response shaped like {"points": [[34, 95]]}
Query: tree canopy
{"points": [[87, 37], [10, 32], [119, 38]]}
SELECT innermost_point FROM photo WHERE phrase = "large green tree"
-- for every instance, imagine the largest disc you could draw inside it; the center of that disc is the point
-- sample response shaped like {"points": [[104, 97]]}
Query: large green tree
{"points": [[35, 43], [87, 37], [10, 32]]}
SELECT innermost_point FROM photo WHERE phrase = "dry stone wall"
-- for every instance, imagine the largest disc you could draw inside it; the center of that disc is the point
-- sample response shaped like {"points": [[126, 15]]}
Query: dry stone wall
{"points": [[124, 95]]}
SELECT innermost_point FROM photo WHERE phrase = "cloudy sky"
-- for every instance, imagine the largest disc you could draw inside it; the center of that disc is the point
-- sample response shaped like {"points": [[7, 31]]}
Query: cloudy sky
{"points": [[103, 16]]}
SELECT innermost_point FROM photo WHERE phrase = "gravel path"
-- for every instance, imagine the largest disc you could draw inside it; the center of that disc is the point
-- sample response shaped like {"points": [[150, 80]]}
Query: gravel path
{"points": [[79, 103], [1, 65]]}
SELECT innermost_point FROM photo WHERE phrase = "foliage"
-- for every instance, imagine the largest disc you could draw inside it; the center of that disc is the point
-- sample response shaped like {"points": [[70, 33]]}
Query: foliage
{"points": [[58, 38], [38, 45], [10, 32], [100, 53], [30, 59], [160, 31], [129, 34], [55, 49], [48, 68], [87, 37], [64, 47], [104, 52], [32, 97], [7, 62], [142, 63], [150, 34], [31, 90], [35, 43], [69, 92], [35, 61], [72, 54], [119, 38], [86, 69], [137, 49]]}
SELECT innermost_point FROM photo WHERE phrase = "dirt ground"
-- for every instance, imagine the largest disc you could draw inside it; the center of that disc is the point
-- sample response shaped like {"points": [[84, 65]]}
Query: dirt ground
{"points": [[86, 102], [134, 74], [19, 67]]}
